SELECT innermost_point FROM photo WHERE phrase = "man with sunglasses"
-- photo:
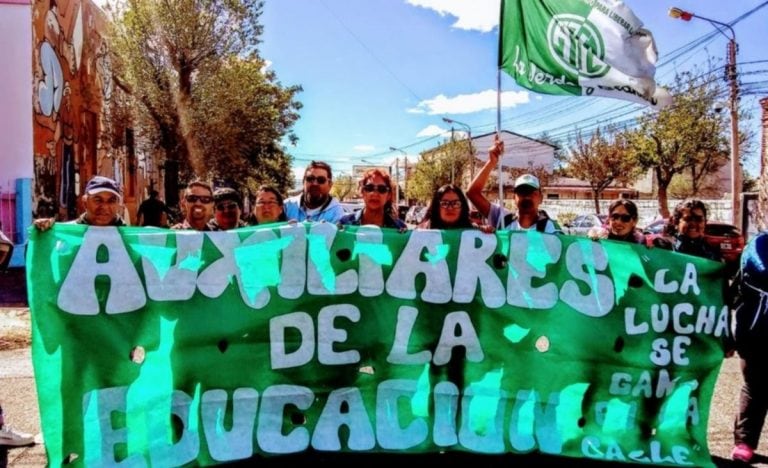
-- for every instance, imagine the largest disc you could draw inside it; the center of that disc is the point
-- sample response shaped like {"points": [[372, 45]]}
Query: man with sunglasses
{"points": [[527, 198], [228, 206], [315, 202], [197, 206]]}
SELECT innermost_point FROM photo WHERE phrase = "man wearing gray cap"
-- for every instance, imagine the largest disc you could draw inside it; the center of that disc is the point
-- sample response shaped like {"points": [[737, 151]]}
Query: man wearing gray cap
{"points": [[102, 201], [527, 199]]}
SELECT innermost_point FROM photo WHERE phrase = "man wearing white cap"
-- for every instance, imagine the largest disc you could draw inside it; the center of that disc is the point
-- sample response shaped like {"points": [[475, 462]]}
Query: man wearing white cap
{"points": [[527, 199], [102, 201]]}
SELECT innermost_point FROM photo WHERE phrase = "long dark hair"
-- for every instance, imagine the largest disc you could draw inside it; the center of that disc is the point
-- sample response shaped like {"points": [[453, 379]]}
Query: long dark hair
{"points": [[436, 222], [628, 205]]}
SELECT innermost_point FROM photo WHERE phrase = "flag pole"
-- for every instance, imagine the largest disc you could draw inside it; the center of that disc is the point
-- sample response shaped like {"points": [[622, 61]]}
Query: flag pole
{"points": [[498, 134]]}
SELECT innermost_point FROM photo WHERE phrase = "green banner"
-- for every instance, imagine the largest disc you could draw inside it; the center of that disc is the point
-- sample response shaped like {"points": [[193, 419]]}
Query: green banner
{"points": [[163, 348]]}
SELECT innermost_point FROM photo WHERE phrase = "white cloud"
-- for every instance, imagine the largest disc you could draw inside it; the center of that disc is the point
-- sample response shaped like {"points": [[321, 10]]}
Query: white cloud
{"points": [[479, 15], [363, 148], [469, 103], [430, 131]]}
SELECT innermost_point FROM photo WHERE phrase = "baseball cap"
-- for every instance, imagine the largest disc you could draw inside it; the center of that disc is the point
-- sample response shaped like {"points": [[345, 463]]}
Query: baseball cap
{"points": [[102, 184], [529, 180], [226, 193]]}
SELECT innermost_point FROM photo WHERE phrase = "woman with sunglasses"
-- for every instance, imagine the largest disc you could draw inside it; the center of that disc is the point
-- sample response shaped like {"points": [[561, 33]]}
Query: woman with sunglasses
{"points": [[449, 209], [690, 219], [376, 189], [268, 207], [622, 223]]}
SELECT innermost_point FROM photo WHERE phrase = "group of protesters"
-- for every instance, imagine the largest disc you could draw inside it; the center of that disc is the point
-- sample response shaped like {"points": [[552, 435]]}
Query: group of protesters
{"points": [[206, 209]]}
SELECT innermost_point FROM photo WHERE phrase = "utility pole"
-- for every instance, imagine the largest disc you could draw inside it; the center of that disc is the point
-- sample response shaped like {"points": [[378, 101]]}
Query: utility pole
{"points": [[397, 172], [471, 154], [732, 77], [452, 148], [735, 159]]}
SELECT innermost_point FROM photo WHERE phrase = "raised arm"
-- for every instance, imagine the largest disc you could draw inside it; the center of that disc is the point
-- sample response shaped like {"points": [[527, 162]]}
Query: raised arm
{"points": [[475, 190]]}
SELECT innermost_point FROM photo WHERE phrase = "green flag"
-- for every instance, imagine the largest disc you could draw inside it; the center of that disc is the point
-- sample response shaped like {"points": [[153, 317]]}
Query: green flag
{"points": [[580, 48]]}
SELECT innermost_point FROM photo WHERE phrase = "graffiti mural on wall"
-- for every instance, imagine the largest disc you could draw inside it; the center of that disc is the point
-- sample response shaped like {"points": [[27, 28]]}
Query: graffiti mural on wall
{"points": [[73, 89]]}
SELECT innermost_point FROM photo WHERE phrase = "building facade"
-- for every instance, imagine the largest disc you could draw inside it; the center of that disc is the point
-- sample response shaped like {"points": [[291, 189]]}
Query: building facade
{"points": [[63, 116]]}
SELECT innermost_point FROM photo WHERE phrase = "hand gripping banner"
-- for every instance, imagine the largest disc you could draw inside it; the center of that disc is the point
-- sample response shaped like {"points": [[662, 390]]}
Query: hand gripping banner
{"points": [[164, 348]]}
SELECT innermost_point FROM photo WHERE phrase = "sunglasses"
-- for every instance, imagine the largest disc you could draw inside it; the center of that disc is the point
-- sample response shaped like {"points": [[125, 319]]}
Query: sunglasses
{"points": [[450, 204], [625, 218], [204, 199], [379, 188], [312, 179], [227, 206], [693, 218]]}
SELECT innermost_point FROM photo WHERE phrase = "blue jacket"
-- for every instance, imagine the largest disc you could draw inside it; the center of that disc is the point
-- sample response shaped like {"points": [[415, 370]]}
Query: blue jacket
{"points": [[331, 211]]}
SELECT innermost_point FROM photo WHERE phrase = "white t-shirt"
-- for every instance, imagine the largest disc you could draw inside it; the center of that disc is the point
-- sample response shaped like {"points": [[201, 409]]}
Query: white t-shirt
{"points": [[496, 218]]}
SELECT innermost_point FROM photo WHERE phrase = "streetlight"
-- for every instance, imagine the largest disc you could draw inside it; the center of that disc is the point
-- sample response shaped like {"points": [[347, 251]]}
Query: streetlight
{"points": [[731, 76], [469, 141], [397, 175]]}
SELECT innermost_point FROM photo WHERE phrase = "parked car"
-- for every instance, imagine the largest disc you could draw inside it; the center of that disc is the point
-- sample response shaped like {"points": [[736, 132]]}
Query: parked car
{"points": [[656, 227], [415, 214], [727, 238], [581, 224], [723, 236], [351, 207], [402, 211]]}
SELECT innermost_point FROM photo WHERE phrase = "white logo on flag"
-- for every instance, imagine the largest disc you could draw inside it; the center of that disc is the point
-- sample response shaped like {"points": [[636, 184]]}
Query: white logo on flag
{"points": [[577, 45]]}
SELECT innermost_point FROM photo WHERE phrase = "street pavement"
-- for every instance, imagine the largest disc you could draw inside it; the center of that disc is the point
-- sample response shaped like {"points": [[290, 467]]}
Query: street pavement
{"points": [[19, 401]]}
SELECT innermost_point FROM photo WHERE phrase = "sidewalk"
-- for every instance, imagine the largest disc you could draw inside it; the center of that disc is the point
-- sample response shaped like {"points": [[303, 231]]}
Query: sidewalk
{"points": [[19, 398]]}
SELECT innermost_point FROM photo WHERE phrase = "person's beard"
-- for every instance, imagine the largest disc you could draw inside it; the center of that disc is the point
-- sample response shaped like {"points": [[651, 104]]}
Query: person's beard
{"points": [[314, 200]]}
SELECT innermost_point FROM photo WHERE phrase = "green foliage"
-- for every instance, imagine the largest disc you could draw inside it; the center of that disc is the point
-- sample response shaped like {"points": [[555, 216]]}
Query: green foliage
{"points": [[686, 137], [601, 161], [205, 98], [443, 165], [344, 186]]}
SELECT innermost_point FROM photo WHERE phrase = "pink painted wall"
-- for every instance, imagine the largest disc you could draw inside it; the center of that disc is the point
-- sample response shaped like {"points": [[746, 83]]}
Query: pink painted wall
{"points": [[15, 111], [15, 94]]}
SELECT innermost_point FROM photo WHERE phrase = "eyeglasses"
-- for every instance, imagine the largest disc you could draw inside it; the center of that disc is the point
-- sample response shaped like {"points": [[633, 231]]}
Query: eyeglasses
{"points": [[227, 206], [625, 218], [312, 179], [267, 203], [204, 199], [450, 204], [379, 188], [693, 218]]}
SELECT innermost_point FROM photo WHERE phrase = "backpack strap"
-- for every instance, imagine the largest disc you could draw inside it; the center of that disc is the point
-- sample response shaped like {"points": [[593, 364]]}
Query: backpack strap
{"points": [[541, 222], [508, 219]]}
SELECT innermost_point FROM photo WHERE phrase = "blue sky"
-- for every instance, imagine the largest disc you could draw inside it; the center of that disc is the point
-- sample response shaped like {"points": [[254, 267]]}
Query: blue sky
{"points": [[383, 73]]}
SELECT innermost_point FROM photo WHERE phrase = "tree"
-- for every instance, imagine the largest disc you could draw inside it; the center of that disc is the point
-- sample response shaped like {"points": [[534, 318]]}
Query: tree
{"points": [[686, 136], [437, 167], [207, 103], [601, 161], [344, 185]]}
